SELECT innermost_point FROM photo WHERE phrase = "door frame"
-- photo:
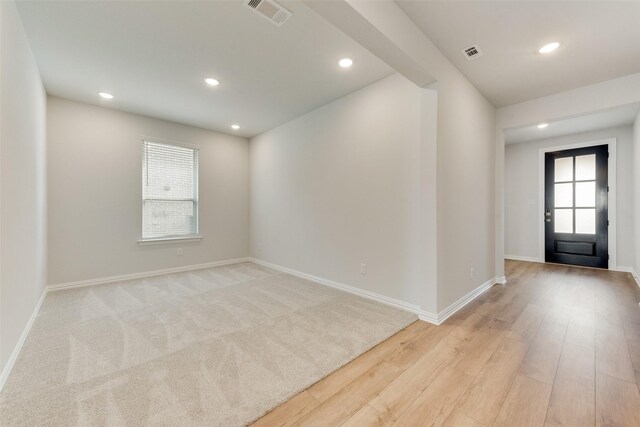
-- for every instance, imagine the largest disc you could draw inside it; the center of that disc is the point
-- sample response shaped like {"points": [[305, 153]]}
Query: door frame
{"points": [[611, 142]]}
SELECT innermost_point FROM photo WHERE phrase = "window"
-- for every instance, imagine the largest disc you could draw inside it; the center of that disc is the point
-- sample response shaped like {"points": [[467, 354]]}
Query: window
{"points": [[169, 191]]}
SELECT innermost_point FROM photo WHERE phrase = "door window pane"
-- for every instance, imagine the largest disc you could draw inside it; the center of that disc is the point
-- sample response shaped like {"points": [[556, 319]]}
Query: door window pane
{"points": [[586, 194], [585, 167], [586, 221], [563, 221], [563, 195], [564, 169]]}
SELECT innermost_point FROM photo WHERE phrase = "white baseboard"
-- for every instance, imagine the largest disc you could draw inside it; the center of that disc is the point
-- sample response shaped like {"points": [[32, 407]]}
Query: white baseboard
{"points": [[449, 311], [523, 258], [426, 316], [350, 289], [501, 280], [144, 274], [635, 277], [23, 337]]}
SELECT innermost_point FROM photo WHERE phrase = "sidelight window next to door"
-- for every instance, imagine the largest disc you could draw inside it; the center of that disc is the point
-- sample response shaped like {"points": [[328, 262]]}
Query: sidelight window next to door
{"points": [[576, 207]]}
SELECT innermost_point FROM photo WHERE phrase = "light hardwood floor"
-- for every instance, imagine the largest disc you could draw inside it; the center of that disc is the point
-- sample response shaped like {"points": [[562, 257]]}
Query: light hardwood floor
{"points": [[556, 346]]}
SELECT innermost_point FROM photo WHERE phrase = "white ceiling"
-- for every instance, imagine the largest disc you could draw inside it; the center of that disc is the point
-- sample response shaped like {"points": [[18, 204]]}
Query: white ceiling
{"points": [[599, 42], [153, 57], [585, 123]]}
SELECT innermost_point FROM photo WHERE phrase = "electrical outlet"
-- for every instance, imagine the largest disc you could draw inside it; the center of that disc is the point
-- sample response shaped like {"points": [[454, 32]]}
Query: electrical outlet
{"points": [[471, 272], [363, 268], [179, 251]]}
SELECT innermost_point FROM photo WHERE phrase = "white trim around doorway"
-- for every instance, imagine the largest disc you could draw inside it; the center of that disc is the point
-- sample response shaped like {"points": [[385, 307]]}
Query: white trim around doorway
{"points": [[611, 142]]}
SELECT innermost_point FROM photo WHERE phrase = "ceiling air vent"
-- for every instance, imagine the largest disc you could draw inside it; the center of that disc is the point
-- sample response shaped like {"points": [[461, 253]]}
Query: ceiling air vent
{"points": [[472, 52], [269, 9]]}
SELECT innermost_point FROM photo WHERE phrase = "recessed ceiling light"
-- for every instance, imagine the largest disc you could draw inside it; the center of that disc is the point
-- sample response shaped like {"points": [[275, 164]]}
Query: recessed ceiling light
{"points": [[550, 47], [211, 81], [543, 125], [345, 62], [235, 127], [105, 95]]}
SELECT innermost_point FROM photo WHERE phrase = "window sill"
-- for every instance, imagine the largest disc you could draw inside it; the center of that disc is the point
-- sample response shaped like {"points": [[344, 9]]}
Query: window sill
{"points": [[161, 240]]}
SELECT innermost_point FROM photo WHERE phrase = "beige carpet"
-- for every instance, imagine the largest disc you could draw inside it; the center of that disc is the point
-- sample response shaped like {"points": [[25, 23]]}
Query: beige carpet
{"points": [[220, 346]]}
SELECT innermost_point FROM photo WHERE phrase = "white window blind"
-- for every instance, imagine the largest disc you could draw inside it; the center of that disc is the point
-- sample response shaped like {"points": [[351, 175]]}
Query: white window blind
{"points": [[169, 191]]}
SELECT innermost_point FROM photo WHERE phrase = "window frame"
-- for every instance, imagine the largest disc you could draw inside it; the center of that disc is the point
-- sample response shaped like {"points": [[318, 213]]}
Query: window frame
{"points": [[192, 237]]}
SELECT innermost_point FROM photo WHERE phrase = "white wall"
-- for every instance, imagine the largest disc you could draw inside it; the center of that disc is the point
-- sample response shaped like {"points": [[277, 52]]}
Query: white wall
{"points": [[522, 210], [465, 156], [466, 159], [466, 130], [22, 181], [636, 192], [343, 185], [339, 187], [94, 179]]}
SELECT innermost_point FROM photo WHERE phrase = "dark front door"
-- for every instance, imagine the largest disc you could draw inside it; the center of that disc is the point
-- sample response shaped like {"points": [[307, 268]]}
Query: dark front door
{"points": [[576, 207]]}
